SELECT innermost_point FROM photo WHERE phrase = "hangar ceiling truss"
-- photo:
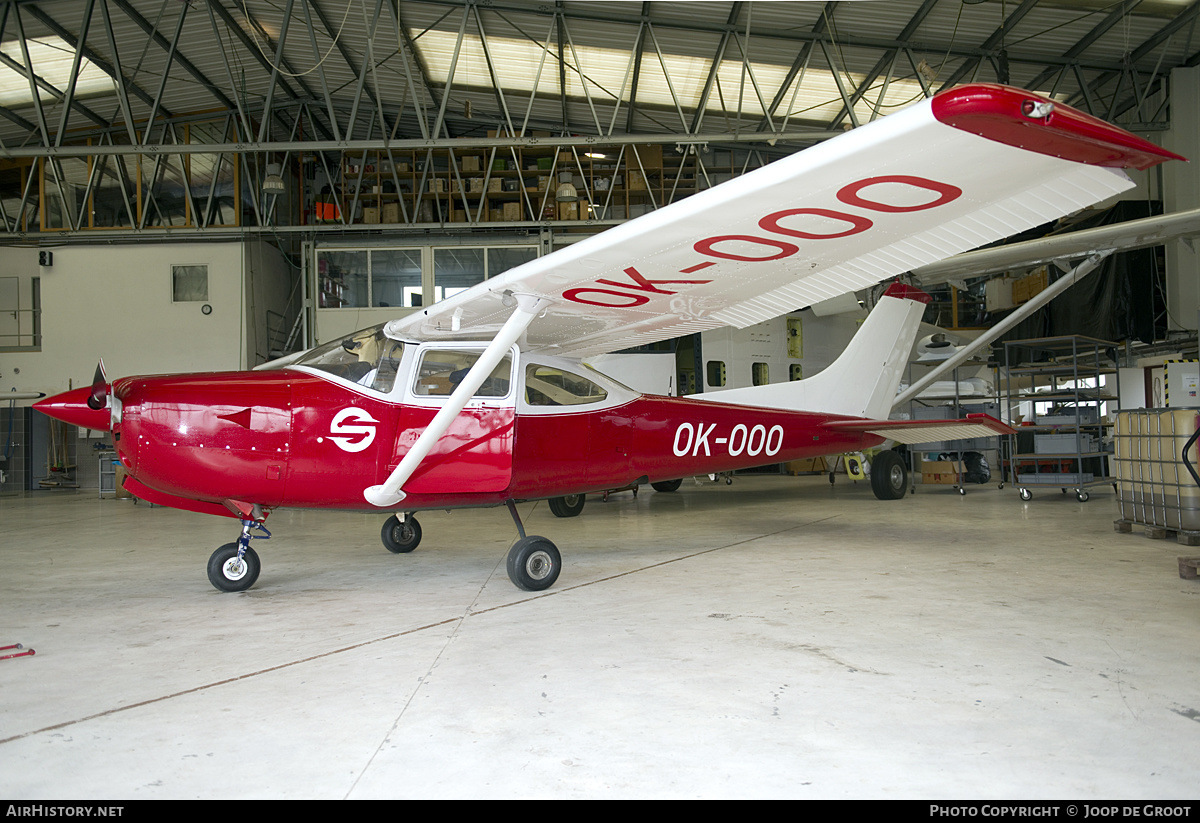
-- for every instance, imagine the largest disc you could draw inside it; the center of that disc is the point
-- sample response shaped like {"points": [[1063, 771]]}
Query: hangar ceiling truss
{"points": [[172, 113]]}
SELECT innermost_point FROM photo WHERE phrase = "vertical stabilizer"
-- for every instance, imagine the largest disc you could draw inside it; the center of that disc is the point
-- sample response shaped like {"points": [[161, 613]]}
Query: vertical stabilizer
{"points": [[862, 382]]}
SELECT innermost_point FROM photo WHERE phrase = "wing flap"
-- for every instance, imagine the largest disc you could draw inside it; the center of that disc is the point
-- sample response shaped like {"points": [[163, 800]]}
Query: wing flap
{"points": [[915, 432]]}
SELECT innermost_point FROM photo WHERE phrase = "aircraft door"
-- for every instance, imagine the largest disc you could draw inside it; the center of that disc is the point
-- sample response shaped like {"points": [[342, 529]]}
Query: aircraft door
{"points": [[475, 453]]}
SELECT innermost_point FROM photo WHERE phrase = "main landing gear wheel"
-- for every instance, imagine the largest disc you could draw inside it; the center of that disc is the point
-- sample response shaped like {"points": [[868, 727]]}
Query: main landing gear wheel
{"points": [[889, 476], [667, 485], [569, 506], [228, 573], [534, 564], [401, 536]]}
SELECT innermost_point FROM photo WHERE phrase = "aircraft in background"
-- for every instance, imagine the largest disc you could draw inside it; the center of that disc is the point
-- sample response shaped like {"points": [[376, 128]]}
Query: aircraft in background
{"points": [[481, 399]]}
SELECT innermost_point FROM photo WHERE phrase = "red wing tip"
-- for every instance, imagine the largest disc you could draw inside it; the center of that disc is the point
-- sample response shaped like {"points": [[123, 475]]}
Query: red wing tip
{"points": [[906, 292], [1035, 123]]}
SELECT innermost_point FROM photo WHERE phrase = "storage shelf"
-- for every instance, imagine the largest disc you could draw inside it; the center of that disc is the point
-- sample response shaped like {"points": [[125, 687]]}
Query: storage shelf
{"points": [[1076, 359]]}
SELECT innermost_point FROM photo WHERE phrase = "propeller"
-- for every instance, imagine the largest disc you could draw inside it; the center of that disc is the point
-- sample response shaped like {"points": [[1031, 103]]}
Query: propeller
{"points": [[98, 399]]}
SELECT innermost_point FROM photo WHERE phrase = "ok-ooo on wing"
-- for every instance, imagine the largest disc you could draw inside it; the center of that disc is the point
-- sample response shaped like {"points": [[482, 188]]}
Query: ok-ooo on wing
{"points": [[967, 167]]}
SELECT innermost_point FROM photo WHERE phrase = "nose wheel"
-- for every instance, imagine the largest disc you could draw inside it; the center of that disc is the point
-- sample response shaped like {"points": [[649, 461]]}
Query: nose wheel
{"points": [[231, 573], [234, 567]]}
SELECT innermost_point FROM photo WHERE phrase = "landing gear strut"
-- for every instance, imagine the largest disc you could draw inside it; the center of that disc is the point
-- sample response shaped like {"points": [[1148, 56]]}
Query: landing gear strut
{"points": [[234, 567]]}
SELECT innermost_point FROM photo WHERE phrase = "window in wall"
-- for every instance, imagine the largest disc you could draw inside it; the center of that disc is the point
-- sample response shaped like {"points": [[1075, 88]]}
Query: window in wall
{"points": [[759, 372], [342, 279], [396, 278], [189, 284], [716, 373], [20, 315], [457, 269]]}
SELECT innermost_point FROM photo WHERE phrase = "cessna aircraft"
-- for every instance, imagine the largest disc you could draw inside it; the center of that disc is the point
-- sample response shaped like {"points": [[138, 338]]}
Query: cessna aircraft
{"points": [[481, 399]]}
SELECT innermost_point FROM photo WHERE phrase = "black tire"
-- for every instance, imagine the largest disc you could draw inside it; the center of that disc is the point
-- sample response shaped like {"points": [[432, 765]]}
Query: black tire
{"points": [[889, 476], [667, 485], [400, 537], [534, 563], [569, 506], [229, 576]]}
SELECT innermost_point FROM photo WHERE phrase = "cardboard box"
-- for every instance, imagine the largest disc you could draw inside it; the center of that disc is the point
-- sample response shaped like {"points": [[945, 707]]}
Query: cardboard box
{"points": [[637, 180], [494, 184], [941, 472], [512, 211], [470, 162], [458, 216], [391, 212], [370, 214], [568, 211], [1025, 288], [651, 156]]}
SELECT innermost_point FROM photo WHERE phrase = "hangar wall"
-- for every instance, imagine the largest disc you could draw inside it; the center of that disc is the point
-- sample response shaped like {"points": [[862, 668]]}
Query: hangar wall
{"points": [[117, 302]]}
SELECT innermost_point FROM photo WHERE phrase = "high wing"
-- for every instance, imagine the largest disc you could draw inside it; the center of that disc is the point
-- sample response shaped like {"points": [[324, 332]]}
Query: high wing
{"points": [[967, 167], [1132, 234]]}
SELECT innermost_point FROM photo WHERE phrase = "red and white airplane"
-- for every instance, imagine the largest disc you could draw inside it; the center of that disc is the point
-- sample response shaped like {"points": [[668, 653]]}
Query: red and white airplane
{"points": [[482, 400]]}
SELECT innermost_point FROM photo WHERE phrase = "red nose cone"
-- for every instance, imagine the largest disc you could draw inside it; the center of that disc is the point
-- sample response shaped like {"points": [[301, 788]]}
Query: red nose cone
{"points": [[72, 407]]}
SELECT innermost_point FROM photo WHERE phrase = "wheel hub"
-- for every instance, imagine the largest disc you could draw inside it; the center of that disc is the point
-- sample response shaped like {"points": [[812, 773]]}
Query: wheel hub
{"points": [[234, 569], [539, 565]]}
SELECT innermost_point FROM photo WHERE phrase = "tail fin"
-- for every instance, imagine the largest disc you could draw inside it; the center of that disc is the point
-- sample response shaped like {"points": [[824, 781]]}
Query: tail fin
{"points": [[862, 382]]}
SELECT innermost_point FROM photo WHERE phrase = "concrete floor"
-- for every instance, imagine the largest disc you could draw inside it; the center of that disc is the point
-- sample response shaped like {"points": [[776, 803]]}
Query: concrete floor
{"points": [[777, 637]]}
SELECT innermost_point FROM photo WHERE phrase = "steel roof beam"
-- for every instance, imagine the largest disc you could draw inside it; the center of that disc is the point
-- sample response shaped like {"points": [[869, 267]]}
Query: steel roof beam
{"points": [[997, 38], [466, 142], [112, 69], [1084, 43], [256, 52], [161, 41], [889, 58]]}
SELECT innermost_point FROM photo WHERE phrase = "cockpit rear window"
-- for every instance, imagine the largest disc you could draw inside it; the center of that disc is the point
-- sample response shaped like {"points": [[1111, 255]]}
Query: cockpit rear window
{"points": [[550, 386], [369, 358]]}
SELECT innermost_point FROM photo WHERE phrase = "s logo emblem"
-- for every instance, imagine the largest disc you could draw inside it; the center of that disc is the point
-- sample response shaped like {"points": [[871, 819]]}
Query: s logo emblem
{"points": [[346, 435]]}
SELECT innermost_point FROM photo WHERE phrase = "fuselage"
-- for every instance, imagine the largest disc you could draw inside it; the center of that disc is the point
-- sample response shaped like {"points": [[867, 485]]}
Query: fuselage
{"points": [[301, 436]]}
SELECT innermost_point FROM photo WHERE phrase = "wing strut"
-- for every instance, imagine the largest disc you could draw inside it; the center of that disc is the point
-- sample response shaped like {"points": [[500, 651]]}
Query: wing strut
{"points": [[1042, 298], [389, 493]]}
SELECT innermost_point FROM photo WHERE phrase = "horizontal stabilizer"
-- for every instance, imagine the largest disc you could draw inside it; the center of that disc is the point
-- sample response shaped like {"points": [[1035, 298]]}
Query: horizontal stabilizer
{"points": [[914, 432]]}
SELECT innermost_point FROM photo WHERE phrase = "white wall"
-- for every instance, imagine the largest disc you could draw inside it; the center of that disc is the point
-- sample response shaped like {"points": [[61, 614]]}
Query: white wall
{"points": [[115, 302]]}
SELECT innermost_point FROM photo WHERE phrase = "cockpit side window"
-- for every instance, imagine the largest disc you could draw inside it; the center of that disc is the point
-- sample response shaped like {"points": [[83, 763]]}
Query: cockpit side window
{"points": [[551, 386], [369, 358], [441, 370]]}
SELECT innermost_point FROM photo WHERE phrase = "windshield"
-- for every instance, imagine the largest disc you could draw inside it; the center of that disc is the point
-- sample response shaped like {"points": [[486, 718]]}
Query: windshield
{"points": [[368, 357]]}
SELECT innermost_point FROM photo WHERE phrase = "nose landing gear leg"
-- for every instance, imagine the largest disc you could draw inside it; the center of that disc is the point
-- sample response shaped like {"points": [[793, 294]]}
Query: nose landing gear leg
{"points": [[234, 567]]}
